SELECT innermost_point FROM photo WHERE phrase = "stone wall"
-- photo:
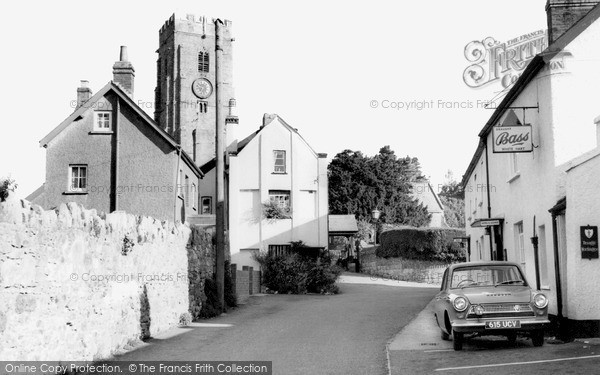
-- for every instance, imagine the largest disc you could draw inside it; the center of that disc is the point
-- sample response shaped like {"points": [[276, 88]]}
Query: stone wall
{"points": [[78, 285], [401, 269]]}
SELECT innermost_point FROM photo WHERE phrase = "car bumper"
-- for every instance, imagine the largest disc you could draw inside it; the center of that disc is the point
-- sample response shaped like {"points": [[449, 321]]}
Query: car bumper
{"points": [[527, 324]]}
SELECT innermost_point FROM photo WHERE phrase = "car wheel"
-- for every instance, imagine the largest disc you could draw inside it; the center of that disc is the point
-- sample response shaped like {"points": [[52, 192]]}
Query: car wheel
{"points": [[445, 336], [512, 338], [537, 337], [457, 340]]}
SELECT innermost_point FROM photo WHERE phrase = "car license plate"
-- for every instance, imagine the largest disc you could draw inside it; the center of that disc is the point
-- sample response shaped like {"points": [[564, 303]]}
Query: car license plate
{"points": [[503, 324]]}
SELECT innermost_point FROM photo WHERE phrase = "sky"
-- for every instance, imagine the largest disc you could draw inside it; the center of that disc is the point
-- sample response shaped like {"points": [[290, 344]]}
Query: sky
{"points": [[349, 75]]}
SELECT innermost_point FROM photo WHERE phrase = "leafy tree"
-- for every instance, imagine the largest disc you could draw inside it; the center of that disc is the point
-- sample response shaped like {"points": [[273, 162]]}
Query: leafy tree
{"points": [[358, 184], [453, 199]]}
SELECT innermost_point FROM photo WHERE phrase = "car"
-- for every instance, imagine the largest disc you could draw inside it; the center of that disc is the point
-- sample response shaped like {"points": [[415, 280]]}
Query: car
{"points": [[489, 298]]}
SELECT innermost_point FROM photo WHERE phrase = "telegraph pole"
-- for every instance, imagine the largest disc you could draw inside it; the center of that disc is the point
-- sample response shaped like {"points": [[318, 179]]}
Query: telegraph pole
{"points": [[220, 169]]}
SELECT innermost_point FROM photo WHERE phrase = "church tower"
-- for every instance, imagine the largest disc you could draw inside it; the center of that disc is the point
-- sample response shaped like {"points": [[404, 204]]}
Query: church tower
{"points": [[185, 94]]}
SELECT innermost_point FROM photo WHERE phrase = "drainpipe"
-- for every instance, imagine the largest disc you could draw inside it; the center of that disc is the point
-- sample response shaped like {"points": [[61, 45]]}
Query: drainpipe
{"points": [[559, 303], [115, 187], [177, 182], [489, 204]]}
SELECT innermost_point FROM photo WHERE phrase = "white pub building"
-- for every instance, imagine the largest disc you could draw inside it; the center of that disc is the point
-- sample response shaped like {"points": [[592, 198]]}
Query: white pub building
{"points": [[532, 189]]}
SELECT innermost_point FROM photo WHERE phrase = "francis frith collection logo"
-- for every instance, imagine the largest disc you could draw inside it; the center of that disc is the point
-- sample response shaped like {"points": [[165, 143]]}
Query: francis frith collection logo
{"points": [[495, 62]]}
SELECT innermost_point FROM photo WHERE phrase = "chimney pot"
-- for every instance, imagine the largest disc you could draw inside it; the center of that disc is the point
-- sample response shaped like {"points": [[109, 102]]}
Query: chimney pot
{"points": [[123, 54]]}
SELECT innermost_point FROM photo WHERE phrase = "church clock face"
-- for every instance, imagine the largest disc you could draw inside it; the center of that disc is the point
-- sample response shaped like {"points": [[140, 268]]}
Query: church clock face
{"points": [[202, 88]]}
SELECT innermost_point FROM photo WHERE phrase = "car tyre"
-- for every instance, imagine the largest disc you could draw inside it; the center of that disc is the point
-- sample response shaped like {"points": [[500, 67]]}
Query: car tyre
{"points": [[445, 336], [457, 340], [537, 338], [512, 338]]}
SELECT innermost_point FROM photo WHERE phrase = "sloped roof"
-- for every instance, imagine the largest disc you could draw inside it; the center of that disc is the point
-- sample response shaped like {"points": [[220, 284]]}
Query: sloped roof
{"points": [[342, 225], [209, 165], [530, 72], [424, 193], [111, 86]]}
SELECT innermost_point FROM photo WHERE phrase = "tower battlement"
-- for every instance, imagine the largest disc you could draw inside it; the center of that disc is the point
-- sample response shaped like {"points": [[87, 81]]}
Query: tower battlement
{"points": [[191, 23]]}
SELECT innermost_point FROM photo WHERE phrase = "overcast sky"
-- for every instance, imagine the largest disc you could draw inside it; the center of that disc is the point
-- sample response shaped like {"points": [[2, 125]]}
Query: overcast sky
{"points": [[321, 65]]}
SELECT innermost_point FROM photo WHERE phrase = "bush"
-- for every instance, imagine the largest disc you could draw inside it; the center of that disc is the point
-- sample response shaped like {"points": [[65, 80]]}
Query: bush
{"points": [[7, 185], [211, 306], [296, 273], [429, 244]]}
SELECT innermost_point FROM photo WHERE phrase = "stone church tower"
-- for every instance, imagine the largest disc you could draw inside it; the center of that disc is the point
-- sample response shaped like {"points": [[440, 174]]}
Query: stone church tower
{"points": [[185, 94]]}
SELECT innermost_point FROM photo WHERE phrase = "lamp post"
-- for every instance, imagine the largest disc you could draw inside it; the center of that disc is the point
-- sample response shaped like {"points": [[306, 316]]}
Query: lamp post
{"points": [[375, 216]]}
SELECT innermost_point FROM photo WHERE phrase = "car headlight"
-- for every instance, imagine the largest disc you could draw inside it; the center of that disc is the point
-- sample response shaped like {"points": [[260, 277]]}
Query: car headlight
{"points": [[460, 304], [540, 301]]}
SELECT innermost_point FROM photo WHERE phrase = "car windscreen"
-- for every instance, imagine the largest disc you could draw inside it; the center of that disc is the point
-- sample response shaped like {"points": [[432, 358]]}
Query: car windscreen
{"points": [[475, 276]]}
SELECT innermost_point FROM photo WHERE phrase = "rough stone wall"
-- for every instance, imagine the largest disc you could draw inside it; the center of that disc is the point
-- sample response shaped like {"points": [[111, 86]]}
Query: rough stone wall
{"points": [[78, 285], [401, 269], [201, 256]]}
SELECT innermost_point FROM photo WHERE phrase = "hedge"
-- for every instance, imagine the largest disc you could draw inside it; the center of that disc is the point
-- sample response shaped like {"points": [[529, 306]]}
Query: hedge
{"points": [[429, 244]]}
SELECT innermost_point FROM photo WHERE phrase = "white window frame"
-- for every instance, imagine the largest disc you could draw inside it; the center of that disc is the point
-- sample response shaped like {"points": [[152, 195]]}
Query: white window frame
{"points": [[103, 118], [282, 197], [520, 242], [194, 197], [279, 155], [71, 183]]}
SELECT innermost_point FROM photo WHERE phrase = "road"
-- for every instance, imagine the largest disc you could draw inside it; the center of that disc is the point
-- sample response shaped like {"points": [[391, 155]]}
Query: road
{"points": [[302, 334]]}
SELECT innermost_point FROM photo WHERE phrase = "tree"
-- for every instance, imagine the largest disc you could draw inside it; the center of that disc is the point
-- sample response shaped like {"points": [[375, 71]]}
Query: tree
{"points": [[358, 184], [453, 199]]}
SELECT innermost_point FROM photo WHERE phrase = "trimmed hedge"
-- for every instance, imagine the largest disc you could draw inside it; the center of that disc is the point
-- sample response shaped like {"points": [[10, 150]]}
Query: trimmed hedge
{"points": [[429, 244]]}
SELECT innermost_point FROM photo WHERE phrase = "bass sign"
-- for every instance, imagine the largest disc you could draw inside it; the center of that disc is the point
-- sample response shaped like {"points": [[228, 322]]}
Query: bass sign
{"points": [[511, 139]]}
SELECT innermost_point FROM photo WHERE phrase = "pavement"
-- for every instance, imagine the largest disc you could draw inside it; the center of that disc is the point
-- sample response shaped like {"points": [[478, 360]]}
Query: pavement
{"points": [[302, 334], [418, 349]]}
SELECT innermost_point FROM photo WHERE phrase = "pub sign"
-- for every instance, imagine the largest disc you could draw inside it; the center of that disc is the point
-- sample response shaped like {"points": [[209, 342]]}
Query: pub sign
{"points": [[512, 139]]}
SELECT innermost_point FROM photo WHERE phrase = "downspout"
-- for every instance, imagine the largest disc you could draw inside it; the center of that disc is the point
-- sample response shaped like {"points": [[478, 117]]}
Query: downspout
{"points": [[489, 204], [115, 187], [559, 303], [176, 183]]}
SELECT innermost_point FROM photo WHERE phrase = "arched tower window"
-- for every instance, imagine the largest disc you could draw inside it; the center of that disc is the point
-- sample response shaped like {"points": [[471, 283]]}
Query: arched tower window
{"points": [[203, 62]]}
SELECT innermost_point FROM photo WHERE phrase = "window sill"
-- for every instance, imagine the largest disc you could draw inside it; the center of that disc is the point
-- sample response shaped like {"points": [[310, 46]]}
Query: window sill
{"points": [[279, 173], [514, 177], [544, 287], [75, 193], [107, 132]]}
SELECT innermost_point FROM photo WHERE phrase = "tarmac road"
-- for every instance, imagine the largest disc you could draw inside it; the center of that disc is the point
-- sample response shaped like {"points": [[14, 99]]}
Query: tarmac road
{"points": [[302, 334]]}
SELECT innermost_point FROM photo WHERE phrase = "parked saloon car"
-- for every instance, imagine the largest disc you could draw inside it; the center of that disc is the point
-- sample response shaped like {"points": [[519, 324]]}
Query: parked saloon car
{"points": [[489, 298]]}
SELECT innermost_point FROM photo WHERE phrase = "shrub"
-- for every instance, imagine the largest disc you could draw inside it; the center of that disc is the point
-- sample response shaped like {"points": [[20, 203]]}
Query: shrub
{"points": [[7, 185], [185, 319], [430, 244], [273, 211], [298, 273], [210, 305]]}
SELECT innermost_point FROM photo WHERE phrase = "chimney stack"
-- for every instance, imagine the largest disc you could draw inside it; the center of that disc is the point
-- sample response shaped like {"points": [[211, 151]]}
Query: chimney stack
{"points": [[268, 118], [84, 93], [123, 72], [563, 14]]}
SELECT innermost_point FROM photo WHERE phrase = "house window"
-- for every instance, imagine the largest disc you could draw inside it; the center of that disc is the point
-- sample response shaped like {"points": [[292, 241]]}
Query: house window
{"points": [[102, 123], [280, 250], [281, 197], [203, 62], [520, 242], [279, 156], [78, 178], [194, 197], [206, 205], [186, 191]]}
